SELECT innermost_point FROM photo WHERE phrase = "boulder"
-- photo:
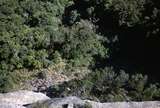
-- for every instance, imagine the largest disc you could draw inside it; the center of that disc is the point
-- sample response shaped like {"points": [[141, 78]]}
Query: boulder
{"points": [[30, 99], [74, 102], [22, 97], [147, 104], [10, 105], [66, 102]]}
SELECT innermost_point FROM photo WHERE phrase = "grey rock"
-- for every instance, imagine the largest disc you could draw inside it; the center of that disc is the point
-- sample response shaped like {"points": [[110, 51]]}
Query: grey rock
{"points": [[22, 97], [30, 99], [58, 103], [147, 104], [70, 102], [10, 105]]}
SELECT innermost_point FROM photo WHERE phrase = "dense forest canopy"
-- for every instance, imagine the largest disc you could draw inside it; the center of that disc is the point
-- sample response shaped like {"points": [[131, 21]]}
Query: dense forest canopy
{"points": [[122, 34], [131, 28]]}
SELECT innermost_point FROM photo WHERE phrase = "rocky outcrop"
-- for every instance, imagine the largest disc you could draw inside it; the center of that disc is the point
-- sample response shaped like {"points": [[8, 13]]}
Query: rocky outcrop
{"points": [[29, 99], [70, 102], [147, 104], [59, 103], [22, 97], [10, 105]]}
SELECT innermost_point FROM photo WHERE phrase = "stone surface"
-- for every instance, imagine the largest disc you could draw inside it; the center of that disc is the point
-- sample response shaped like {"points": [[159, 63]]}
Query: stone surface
{"points": [[30, 99], [59, 103], [22, 97], [10, 105], [147, 104], [71, 101]]}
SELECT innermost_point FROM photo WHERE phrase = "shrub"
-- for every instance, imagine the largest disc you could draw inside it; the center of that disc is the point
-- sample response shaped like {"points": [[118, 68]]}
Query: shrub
{"points": [[87, 105], [25, 37], [128, 12], [82, 44], [106, 85], [33, 37]]}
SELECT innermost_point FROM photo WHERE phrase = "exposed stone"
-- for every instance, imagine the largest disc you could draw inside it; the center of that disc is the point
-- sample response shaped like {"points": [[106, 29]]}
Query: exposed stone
{"points": [[10, 105], [147, 104], [71, 102], [58, 103], [22, 97], [31, 99]]}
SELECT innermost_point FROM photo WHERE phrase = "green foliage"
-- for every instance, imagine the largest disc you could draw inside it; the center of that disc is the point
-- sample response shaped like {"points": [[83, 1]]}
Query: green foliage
{"points": [[32, 36], [8, 81], [87, 105], [106, 85], [139, 90], [82, 44], [25, 36], [130, 12], [36, 34], [127, 12]]}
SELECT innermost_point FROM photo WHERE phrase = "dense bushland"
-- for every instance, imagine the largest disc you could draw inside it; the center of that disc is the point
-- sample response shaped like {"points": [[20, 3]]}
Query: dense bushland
{"points": [[32, 36], [36, 34], [131, 28], [106, 85]]}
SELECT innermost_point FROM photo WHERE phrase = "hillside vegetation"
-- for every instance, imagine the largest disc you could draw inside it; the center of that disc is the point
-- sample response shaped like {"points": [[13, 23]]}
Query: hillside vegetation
{"points": [[105, 36]]}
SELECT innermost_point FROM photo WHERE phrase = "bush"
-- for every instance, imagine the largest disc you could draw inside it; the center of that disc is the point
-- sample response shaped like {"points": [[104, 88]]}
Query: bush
{"points": [[82, 44], [33, 37], [106, 85], [127, 12], [25, 36], [37, 34], [8, 81]]}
